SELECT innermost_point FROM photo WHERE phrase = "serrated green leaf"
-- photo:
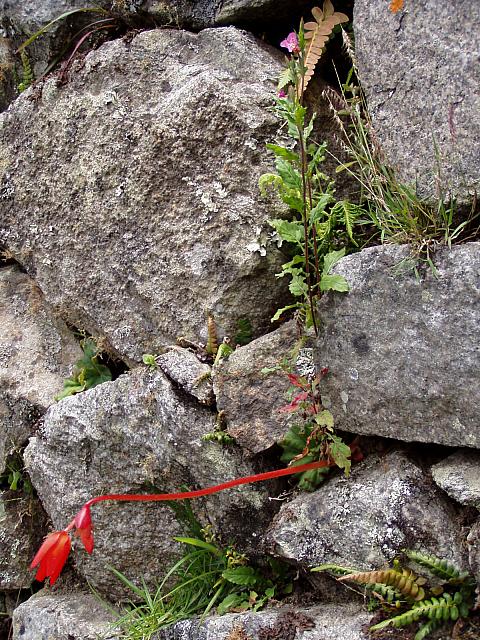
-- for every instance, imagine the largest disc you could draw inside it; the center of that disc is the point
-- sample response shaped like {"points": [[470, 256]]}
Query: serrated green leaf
{"points": [[290, 176], [289, 231], [281, 311], [319, 209], [325, 419], [340, 453], [298, 287], [232, 601], [242, 575], [283, 152], [269, 180], [331, 259], [285, 77], [333, 283]]}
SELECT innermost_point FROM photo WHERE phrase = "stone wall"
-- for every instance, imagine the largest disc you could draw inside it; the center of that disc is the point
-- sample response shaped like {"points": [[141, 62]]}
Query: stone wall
{"points": [[130, 211]]}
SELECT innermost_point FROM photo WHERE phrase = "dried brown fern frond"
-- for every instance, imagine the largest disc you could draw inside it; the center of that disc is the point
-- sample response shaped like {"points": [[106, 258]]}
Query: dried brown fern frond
{"points": [[405, 581], [316, 36], [396, 5], [212, 343]]}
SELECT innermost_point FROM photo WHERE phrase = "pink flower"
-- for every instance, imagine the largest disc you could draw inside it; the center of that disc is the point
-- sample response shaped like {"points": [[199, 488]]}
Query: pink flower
{"points": [[282, 94], [291, 43]]}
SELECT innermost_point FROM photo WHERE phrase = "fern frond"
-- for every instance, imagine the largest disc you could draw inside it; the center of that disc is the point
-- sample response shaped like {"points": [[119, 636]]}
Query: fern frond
{"points": [[27, 72], [405, 581], [334, 569], [316, 36], [436, 610], [439, 567], [212, 342], [425, 629], [396, 5]]}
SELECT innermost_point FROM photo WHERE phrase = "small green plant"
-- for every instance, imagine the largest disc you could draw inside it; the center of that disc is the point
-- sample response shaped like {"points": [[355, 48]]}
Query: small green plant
{"points": [[150, 359], [206, 577], [394, 209], [14, 476], [106, 20], [27, 73], [400, 589], [88, 371], [219, 433], [313, 438], [244, 332], [319, 224]]}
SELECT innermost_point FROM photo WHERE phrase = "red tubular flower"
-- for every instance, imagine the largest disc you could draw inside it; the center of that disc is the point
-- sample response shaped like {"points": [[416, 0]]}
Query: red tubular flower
{"points": [[51, 556], [83, 524]]}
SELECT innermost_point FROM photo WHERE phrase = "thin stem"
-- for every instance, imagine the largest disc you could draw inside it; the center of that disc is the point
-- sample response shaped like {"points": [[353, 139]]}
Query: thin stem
{"points": [[158, 497], [303, 155]]}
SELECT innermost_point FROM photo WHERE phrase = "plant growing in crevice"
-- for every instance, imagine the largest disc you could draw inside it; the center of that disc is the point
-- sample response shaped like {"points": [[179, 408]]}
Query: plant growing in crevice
{"points": [[52, 555], [313, 437], [88, 371], [411, 596], [395, 210], [105, 21], [27, 73], [14, 476], [208, 576], [300, 181]]}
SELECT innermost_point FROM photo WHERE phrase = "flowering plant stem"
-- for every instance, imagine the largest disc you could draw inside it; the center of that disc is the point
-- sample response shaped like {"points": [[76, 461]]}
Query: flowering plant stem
{"points": [[54, 551]]}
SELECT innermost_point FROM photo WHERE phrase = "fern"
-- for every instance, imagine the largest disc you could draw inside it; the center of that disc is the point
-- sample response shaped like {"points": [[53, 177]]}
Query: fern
{"points": [[27, 73], [431, 611], [316, 35], [425, 629], [386, 592], [404, 581], [212, 342], [439, 567], [437, 610]]}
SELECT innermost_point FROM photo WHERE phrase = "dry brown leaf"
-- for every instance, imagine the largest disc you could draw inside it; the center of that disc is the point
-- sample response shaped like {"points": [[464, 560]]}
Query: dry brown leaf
{"points": [[396, 5], [316, 35]]}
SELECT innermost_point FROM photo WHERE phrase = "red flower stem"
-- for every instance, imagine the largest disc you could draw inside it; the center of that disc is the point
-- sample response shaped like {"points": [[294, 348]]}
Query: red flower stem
{"points": [[158, 497]]}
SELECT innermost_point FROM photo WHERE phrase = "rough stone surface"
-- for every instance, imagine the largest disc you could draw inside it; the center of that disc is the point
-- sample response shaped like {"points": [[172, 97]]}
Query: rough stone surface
{"points": [[132, 191], [76, 616], [473, 541], [184, 368], [420, 71], [22, 522], [326, 622], [403, 351], [37, 353], [251, 399], [136, 435], [388, 504], [248, 12], [459, 476]]}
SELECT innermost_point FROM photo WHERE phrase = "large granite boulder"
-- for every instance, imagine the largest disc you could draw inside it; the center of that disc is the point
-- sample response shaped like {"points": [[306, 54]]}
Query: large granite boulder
{"points": [[325, 622], [419, 69], [37, 353], [138, 435], [403, 350], [387, 505], [131, 192], [48, 616]]}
